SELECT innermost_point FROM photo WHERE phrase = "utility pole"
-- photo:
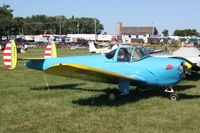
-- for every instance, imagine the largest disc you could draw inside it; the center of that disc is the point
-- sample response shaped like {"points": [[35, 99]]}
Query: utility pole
{"points": [[78, 25], [95, 28], [60, 30], [22, 31], [152, 28]]}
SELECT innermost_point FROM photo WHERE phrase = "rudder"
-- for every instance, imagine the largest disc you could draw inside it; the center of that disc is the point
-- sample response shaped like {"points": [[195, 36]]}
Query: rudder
{"points": [[50, 51], [10, 55]]}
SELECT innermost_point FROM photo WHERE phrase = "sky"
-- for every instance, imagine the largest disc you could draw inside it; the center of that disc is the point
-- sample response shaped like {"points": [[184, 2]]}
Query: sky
{"points": [[163, 14]]}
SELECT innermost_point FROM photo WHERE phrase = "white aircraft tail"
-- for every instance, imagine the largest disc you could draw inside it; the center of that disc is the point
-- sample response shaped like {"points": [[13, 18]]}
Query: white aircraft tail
{"points": [[92, 48]]}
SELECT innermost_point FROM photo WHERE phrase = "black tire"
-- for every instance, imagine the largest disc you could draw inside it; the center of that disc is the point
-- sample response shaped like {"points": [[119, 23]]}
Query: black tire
{"points": [[174, 96], [113, 95]]}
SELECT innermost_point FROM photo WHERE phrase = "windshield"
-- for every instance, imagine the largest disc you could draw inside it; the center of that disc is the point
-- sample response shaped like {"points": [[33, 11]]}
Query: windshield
{"points": [[111, 54], [139, 54]]}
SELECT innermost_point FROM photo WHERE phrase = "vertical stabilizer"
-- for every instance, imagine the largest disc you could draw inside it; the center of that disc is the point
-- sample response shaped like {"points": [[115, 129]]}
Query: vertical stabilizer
{"points": [[92, 48], [10, 55], [50, 51]]}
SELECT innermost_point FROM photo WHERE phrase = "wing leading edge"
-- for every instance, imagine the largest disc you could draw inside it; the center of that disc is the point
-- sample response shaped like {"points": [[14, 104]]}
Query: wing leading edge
{"points": [[91, 74]]}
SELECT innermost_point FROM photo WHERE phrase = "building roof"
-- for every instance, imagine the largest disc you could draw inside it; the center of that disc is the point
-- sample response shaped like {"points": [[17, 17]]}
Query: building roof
{"points": [[139, 30]]}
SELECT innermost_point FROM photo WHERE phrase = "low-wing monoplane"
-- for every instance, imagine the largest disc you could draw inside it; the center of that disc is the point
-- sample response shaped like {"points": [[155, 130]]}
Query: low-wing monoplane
{"points": [[125, 66]]}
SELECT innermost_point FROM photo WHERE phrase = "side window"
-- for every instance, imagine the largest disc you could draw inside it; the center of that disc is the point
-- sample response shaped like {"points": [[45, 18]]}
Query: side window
{"points": [[136, 55], [124, 55], [139, 54]]}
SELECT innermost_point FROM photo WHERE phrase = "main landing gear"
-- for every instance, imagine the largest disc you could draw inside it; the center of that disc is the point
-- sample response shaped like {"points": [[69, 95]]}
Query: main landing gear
{"points": [[113, 94], [173, 95], [123, 90]]}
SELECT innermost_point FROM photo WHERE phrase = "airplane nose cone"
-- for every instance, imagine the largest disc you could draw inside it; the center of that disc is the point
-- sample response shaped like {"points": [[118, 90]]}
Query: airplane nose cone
{"points": [[187, 68]]}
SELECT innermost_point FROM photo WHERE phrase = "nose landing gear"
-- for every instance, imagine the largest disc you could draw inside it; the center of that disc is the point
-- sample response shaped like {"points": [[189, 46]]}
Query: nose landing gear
{"points": [[173, 95]]}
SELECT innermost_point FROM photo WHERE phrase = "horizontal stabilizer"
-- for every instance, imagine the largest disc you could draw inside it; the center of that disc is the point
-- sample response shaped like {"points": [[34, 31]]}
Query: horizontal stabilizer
{"points": [[35, 64], [28, 59]]}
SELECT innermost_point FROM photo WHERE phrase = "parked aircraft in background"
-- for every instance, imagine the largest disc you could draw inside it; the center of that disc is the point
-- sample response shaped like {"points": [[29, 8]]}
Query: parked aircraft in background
{"points": [[190, 54], [94, 48], [125, 66]]}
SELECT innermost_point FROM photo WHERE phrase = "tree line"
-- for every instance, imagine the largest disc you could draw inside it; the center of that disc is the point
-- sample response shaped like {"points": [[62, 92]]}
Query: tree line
{"points": [[185, 32], [43, 24]]}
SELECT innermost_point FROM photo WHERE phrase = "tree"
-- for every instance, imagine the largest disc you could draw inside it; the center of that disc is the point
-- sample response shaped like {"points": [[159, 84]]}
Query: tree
{"points": [[165, 32], [6, 20], [35, 24], [40, 24], [17, 25], [186, 32], [82, 25]]}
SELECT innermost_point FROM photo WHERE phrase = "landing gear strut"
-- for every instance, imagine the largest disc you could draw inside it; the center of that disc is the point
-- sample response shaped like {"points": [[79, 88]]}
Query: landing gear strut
{"points": [[123, 90], [173, 95]]}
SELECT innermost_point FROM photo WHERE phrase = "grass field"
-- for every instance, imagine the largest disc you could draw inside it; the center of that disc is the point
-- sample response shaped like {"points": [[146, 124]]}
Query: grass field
{"points": [[71, 105]]}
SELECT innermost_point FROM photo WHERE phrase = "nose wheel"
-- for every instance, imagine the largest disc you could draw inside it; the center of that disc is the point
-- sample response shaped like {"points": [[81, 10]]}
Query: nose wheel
{"points": [[173, 95]]}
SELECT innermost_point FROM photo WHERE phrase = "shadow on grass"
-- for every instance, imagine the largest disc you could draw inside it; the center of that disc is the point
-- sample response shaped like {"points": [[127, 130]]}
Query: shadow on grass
{"points": [[103, 100], [194, 77], [57, 87], [133, 96], [186, 97], [66, 87], [184, 87]]}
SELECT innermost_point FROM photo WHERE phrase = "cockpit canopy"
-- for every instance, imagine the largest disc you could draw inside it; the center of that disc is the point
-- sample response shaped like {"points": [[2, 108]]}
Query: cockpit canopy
{"points": [[127, 54]]}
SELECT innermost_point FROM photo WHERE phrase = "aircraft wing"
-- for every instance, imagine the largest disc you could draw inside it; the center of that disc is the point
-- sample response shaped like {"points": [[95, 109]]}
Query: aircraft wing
{"points": [[92, 74]]}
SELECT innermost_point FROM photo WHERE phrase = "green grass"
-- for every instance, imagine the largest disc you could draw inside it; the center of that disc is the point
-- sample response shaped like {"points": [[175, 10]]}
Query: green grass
{"points": [[71, 105]]}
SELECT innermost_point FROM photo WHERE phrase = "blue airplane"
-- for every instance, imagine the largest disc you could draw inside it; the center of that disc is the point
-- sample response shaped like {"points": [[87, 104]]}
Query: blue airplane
{"points": [[126, 66]]}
